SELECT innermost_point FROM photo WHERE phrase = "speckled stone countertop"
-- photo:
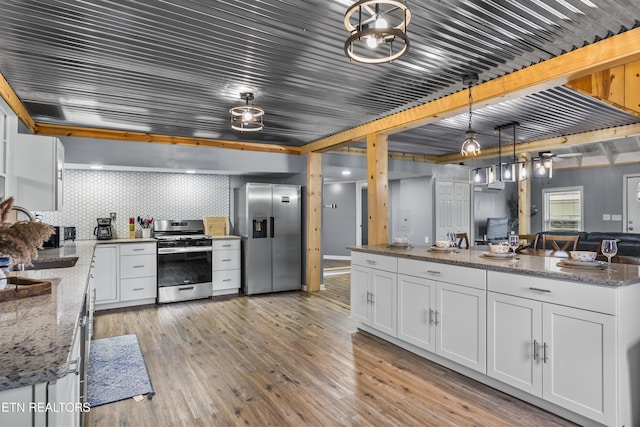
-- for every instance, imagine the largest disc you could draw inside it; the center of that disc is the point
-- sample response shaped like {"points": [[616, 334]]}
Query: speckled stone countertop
{"points": [[541, 266], [37, 332]]}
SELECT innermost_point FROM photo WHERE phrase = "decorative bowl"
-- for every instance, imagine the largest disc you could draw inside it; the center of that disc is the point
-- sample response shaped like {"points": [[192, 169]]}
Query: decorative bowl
{"points": [[442, 243], [584, 256], [498, 249]]}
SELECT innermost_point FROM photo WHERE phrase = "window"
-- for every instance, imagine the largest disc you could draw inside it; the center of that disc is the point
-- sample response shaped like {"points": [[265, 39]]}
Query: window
{"points": [[562, 209]]}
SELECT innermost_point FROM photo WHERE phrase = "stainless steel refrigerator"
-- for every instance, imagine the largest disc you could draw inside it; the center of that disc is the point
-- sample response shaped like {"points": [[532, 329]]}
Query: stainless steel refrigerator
{"points": [[268, 217]]}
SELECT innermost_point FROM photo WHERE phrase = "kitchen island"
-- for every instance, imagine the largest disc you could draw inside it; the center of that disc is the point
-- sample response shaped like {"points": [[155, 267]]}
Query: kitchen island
{"points": [[565, 339]]}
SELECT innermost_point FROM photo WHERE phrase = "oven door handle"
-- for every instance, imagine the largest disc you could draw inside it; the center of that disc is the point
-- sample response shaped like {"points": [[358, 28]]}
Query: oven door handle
{"points": [[162, 251]]}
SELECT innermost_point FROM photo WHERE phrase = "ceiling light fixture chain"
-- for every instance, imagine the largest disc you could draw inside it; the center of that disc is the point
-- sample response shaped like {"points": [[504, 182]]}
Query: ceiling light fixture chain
{"points": [[247, 118]]}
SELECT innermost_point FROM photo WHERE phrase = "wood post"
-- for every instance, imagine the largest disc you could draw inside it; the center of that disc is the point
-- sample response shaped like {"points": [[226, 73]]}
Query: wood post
{"points": [[314, 222], [378, 188], [524, 198]]}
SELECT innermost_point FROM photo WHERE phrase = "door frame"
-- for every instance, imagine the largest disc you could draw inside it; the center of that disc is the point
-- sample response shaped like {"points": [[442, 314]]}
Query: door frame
{"points": [[359, 186], [625, 190]]}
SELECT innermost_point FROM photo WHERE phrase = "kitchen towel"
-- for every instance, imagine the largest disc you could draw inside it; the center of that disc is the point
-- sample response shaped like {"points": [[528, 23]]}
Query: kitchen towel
{"points": [[117, 370]]}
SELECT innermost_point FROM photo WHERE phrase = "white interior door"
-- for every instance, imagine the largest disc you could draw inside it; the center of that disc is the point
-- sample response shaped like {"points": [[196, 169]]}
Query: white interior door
{"points": [[631, 218], [453, 208]]}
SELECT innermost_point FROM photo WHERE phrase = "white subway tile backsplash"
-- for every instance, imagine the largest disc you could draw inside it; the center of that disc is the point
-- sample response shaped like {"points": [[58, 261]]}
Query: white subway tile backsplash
{"points": [[90, 194]]}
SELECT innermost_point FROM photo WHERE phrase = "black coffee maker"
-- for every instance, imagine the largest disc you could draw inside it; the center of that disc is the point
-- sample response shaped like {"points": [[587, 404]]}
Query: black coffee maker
{"points": [[103, 230]]}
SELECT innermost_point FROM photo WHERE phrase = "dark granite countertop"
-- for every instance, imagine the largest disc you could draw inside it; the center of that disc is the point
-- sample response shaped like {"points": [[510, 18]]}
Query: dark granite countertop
{"points": [[541, 266]]}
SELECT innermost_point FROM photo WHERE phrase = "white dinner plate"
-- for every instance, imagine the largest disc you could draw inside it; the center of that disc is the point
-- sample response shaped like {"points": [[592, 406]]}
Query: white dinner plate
{"points": [[580, 264], [437, 249], [492, 255]]}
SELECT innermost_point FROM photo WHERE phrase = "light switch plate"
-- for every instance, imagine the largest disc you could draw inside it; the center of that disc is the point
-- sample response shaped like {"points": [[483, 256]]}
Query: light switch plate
{"points": [[616, 217], [606, 217]]}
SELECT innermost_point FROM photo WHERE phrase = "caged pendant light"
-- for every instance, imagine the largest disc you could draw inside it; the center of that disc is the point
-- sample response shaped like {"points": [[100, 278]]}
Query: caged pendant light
{"points": [[247, 118], [470, 146], [378, 31]]}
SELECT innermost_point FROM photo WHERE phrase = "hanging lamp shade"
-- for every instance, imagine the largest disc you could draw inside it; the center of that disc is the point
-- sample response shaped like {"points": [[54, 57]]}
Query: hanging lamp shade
{"points": [[378, 31], [470, 145], [247, 118]]}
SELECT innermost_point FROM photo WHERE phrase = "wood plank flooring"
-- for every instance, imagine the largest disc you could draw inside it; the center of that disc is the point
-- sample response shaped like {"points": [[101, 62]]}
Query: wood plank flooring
{"points": [[337, 288], [290, 359]]}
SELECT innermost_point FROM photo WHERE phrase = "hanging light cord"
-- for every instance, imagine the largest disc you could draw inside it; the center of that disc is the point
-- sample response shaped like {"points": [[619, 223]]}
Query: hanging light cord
{"points": [[470, 102]]}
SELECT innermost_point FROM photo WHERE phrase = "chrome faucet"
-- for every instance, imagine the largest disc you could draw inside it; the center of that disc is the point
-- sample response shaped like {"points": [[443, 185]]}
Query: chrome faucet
{"points": [[27, 212]]}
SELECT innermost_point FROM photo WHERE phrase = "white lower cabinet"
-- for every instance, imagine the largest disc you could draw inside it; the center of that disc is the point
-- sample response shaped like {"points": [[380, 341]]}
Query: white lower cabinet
{"points": [[226, 267], [565, 355], [56, 403], [443, 318], [105, 274], [374, 292], [125, 274]]}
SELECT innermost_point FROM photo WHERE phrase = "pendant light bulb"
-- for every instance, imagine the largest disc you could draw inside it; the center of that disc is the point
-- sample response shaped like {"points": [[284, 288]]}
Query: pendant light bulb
{"points": [[381, 23], [247, 116], [507, 173], [372, 42]]}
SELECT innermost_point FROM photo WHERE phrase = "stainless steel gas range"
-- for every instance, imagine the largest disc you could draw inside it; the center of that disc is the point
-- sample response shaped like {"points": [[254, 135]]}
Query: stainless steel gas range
{"points": [[184, 260]]}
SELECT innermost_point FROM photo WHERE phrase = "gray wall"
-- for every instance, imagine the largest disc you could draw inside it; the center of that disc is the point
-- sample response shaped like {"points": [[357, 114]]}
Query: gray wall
{"points": [[411, 209], [603, 189], [339, 223], [491, 204]]}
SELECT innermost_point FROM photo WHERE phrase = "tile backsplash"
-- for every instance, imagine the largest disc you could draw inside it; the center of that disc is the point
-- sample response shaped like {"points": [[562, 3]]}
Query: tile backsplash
{"points": [[92, 194]]}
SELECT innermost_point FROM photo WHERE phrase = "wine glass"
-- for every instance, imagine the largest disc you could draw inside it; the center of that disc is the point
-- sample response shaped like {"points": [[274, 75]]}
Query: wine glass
{"points": [[514, 243], [609, 248], [452, 241]]}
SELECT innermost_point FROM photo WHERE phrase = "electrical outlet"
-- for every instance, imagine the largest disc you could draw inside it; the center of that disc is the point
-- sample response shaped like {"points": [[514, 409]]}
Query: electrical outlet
{"points": [[606, 217], [616, 217], [426, 239], [113, 216]]}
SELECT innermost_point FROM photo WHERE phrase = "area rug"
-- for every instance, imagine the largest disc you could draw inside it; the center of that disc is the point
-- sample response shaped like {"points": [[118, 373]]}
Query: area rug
{"points": [[117, 371]]}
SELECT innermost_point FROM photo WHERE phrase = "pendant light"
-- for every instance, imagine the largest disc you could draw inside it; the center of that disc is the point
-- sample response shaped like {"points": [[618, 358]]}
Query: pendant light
{"points": [[470, 146], [378, 31], [542, 165], [504, 172], [247, 118]]}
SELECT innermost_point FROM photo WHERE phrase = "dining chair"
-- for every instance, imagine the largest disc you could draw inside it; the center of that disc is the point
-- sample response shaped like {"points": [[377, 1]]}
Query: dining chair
{"points": [[460, 237], [530, 238], [557, 240]]}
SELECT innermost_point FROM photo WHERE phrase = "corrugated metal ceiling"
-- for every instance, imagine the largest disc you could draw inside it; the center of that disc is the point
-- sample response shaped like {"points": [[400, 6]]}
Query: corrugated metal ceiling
{"points": [[176, 67]]}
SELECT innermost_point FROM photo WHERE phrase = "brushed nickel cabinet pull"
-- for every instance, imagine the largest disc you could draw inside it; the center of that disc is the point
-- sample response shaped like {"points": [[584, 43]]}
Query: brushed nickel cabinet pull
{"points": [[431, 316], [371, 262], [535, 350], [544, 353], [437, 322], [434, 272], [540, 290]]}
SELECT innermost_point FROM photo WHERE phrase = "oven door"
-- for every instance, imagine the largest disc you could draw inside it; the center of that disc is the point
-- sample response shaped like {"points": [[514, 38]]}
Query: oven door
{"points": [[184, 266]]}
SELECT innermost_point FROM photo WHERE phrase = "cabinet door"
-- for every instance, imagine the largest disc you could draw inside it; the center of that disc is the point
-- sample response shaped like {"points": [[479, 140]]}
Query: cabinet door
{"points": [[579, 361], [384, 290], [514, 340], [106, 274], [360, 278], [416, 302], [37, 172], [461, 325]]}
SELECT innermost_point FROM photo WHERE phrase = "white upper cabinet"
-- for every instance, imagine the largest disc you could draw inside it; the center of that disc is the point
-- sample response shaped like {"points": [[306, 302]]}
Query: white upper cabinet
{"points": [[40, 164]]}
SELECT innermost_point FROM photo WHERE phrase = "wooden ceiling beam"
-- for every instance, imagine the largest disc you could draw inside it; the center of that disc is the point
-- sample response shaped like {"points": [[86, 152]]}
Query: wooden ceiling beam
{"points": [[550, 143], [79, 132], [393, 155], [16, 105], [608, 53], [618, 87]]}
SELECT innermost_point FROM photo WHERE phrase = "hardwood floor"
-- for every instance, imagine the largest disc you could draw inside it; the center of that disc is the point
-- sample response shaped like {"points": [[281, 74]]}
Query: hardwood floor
{"points": [[290, 359], [337, 288]]}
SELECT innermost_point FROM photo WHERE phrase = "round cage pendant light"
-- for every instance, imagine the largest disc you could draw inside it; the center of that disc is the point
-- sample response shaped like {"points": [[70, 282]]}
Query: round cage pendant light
{"points": [[247, 118], [470, 146], [378, 31]]}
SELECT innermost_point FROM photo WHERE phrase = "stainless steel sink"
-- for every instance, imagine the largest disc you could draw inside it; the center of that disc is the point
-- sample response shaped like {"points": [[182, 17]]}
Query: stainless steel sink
{"points": [[45, 263]]}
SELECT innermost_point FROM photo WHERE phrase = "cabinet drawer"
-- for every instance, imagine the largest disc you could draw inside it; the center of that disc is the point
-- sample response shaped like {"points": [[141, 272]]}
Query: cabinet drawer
{"points": [[226, 260], [139, 288], [137, 248], [226, 279], [465, 276], [137, 266], [226, 244], [572, 294], [380, 262]]}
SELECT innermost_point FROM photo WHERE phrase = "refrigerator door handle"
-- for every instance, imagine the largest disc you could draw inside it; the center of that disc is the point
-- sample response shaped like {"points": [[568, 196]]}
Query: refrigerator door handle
{"points": [[273, 226]]}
